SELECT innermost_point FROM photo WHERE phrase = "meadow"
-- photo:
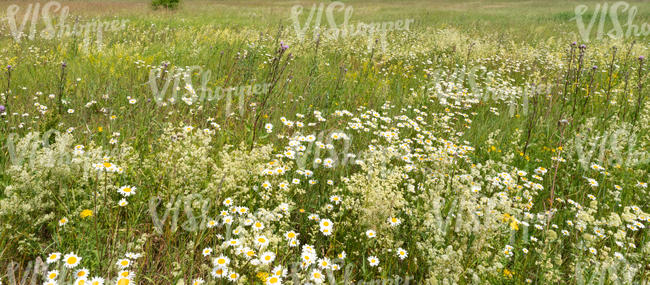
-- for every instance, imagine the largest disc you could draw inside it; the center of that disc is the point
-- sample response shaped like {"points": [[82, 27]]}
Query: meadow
{"points": [[264, 142]]}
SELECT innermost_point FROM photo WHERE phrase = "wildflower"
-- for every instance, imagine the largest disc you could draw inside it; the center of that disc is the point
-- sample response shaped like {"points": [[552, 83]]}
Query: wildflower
{"points": [[53, 257], [233, 276], [198, 281], [207, 251], [267, 257], [51, 275], [291, 235], [97, 281], [401, 253], [122, 203], [221, 261], [593, 250], [371, 234], [335, 199], [219, 272], [63, 221], [394, 221], [126, 191], [132, 256], [71, 260], [274, 280], [86, 213], [592, 182], [81, 273], [373, 261], [233, 242], [261, 241], [123, 263], [279, 271], [317, 276], [324, 263]]}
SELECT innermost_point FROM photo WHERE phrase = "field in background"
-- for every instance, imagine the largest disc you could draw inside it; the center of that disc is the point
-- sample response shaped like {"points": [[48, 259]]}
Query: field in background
{"points": [[489, 143]]}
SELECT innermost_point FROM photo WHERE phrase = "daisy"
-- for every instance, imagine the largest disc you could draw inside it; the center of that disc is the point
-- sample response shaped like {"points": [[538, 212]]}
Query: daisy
{"points": [[274, 280], [81, 273], [51, 275], [324, 263], [126, 274], [132, 255], [233, 276], [123, 281], [394, 221], [593, 250], [373, 261], [267, 257], [80, 281], [127, 190], [221, 261], [219, 272], [335, 199], [233, 242], [326, 223], [401, 253], [97, 281], [261, 241], [317, 276], [326, 231], [122, 202], [71, 260], [371, 234], [211, 224], [63, 221], [198, 281], [53, 257], [123, 263], [207, 251], [258, 226], [279, 271]]}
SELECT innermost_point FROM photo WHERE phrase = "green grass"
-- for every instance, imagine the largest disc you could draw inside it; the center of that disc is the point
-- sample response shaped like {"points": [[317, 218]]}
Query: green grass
{"points": [[520, 43]]}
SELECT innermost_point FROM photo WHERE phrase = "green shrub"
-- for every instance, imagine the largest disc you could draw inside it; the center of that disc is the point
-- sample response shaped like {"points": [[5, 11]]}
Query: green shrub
{"points": [[169, 4]]}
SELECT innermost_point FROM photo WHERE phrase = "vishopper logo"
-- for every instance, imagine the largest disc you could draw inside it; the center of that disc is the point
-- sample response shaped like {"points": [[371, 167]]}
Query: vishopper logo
{"points": [[55, 23], [29, 274], [172, 212], [610, 148], [618, 18], [183, 90], [374, 31], [473, 83], [24, 151]]}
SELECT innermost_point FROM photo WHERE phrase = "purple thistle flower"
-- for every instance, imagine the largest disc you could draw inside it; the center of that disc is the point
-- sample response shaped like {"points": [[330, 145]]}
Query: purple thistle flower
{"points": [[641, 57], [2, 108], [283, 46], [8, 67]]}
